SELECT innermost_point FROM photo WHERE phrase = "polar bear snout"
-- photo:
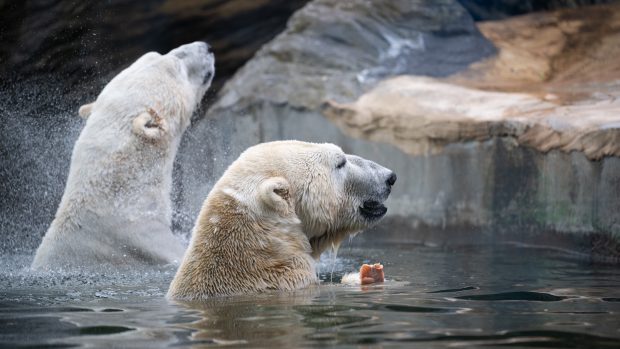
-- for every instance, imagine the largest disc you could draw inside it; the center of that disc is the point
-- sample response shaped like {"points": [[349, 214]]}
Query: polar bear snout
{"points": [[372, 184], [198, 60], [373, 208], [193, 50]]}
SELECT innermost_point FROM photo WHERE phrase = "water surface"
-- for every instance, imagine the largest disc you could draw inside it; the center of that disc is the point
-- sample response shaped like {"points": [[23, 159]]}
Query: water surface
{"points": [[449, 296]]}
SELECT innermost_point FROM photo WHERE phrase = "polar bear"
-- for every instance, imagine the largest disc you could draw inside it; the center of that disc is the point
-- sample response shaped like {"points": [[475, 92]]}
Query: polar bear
{"points": [[116, 208], [272, 214]]}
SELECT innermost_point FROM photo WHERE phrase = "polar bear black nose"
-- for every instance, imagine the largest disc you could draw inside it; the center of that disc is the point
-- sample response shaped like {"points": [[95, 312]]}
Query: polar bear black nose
{"points": [[391, 179]]}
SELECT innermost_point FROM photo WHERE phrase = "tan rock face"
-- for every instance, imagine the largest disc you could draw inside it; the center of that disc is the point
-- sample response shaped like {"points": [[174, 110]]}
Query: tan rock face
{"points": [[554, 84], [551, 51]]}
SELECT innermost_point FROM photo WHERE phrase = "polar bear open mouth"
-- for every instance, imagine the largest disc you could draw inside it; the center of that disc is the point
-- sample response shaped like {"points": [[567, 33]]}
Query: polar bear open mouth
{"points": [[372, 209]]}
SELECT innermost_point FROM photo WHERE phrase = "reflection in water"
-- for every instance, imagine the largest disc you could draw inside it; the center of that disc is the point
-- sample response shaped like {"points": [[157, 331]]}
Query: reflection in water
{"points": [[434, 297], [268, 319], [515, 296], [102, 330], [327, 316], [450, 290]]}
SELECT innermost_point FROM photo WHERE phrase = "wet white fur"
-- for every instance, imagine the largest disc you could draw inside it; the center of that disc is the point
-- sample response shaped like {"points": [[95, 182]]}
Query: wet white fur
{"points": [[116, 208]]}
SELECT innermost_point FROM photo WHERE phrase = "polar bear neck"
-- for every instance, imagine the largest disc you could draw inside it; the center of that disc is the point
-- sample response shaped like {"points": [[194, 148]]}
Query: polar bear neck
{"points": [[234, 251], [122, 173]]}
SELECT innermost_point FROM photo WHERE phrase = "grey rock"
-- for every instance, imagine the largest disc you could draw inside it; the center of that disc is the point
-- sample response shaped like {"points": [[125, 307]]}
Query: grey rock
{"points": [[339, 50], [330, 49]]}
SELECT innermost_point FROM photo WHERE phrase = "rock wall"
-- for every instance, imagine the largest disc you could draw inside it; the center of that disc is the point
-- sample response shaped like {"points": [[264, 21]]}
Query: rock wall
{"points": [[330, 49], [490, 184], [545, 112]]}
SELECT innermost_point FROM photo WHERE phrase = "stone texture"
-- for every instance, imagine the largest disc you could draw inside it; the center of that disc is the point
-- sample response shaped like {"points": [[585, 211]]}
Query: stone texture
{"points": [[523, 143], [456, 178], [330, 49], [422, 115], [338, 49], [554, 84], [568, 53]]}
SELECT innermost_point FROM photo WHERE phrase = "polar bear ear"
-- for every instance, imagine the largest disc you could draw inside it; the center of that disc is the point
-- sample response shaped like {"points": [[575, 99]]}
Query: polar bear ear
{"points": [[149, 125], [275, 193], [85, 110]]}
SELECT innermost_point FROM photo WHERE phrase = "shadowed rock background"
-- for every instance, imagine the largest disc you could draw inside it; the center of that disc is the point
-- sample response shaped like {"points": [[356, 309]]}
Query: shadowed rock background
{"points": [[282, 75]]}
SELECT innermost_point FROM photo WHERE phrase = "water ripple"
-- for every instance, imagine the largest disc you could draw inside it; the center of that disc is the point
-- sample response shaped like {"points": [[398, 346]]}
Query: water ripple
{"points": [[468, 288], [515, 296]]}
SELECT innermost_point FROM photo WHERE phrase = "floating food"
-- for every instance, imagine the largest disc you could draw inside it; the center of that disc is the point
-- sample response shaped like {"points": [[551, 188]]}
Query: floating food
{"points": [[370, 274]]}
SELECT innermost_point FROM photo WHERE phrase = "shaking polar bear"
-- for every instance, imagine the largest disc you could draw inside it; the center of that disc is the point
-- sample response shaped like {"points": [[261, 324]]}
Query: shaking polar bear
{"points": [[116, 208], [273, 212]]}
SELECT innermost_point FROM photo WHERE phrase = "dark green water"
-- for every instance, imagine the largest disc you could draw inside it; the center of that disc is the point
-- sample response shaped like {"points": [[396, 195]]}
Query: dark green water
{"points": [[459, 296]]}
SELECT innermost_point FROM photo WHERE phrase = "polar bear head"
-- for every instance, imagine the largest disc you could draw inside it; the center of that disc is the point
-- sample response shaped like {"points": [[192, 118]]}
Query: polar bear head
{"points": [[157, 94], [333, 194], [275, 208]]}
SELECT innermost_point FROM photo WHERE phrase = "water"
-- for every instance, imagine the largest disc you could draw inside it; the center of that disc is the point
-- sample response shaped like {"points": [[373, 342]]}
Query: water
{"points": [[435, 297]]}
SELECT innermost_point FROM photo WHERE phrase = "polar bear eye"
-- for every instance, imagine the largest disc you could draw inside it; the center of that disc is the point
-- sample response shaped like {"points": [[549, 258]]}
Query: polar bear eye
{"points": [[341, 164]]}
